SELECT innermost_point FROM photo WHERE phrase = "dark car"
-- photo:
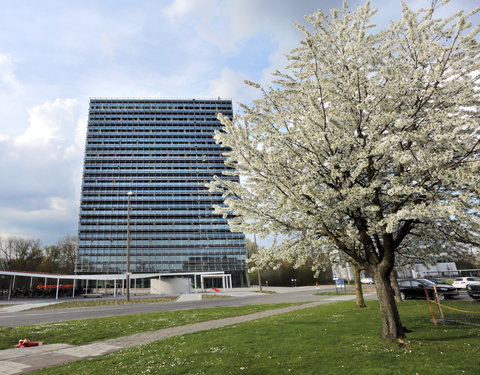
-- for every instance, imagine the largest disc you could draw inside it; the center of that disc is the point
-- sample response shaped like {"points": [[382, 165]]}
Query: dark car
{"points": [[415, 288], [473, 291]]}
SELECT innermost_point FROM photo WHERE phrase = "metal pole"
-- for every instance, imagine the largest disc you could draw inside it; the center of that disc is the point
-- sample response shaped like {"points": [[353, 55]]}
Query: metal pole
{"points": [[127, 272], [58, 284], [434, 319], [258, 270], [11, 287], [440, 310]]}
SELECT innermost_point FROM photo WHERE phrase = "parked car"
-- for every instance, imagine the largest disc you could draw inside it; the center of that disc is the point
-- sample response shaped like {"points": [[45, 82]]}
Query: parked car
{"points": [[366, 280], [462, 282], [473, 290], [414, 288]]}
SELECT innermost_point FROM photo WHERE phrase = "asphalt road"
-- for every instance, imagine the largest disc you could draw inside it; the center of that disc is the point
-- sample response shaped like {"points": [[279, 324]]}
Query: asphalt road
{"points": [[59, 315]]}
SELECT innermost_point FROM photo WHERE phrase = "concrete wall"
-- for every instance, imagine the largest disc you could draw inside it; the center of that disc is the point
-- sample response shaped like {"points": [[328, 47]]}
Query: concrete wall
{"points": [[170, 285], [440, 269]]}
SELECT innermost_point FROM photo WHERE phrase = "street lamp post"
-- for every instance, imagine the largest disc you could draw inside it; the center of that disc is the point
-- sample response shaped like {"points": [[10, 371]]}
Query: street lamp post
{"points": [[127, 272]]}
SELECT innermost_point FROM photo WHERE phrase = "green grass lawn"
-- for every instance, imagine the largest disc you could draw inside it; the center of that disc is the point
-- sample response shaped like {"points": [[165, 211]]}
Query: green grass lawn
{"points": [[104, 302], [88, 330], [334, 339], [332, 293]]}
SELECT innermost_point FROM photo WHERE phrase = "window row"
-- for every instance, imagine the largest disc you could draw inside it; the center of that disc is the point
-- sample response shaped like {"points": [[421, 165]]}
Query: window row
{"points": [[194, 252], [152, 221], [159, 145], [148, 227], [161, 172], [101, 195], [147, 197], [135, 185], [194, 243], [154, 235], [153, 206]]}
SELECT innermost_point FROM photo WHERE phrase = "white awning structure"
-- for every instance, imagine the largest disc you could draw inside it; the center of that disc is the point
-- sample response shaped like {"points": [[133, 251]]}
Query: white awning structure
{"points": [[110, 277]]}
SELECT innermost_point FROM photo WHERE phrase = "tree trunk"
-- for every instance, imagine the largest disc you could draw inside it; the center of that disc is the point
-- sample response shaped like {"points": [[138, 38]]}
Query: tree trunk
{"points": [[394, 281], [391, 324], [358, 286]]}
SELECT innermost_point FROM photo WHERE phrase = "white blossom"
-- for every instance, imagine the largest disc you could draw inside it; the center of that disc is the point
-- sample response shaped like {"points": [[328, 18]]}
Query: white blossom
{"points": [[368, 144]]}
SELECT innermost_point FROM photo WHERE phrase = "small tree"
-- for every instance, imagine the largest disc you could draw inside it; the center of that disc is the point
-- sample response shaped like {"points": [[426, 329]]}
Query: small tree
{"points": [[368, 142], [67, 246], [51, 259], [21, 254]]}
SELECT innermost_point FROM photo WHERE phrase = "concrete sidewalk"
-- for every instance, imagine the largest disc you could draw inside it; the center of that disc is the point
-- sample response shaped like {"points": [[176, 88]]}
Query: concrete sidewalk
{"points": [[25, 306], [24, 360]]}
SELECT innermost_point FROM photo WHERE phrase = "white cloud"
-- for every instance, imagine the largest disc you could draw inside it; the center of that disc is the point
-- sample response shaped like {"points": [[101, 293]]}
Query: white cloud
{"points": [[40, 169], [8, 78], [231, 25], [180, 8], [51, 126], [230, 84]]}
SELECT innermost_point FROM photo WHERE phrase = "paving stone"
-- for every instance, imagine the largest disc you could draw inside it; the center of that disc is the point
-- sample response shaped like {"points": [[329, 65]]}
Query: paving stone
{"points": [[91, 350], [10, 367], [189, 297], [34, 350], [45, 360]]}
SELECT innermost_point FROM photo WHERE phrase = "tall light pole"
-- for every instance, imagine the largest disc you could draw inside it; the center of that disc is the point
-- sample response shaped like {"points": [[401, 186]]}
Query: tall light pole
{"points": [[127, 271]]}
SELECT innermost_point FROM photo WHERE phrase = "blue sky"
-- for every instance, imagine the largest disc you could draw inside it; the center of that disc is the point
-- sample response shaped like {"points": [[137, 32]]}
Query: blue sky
{"points": [[55, 55]]}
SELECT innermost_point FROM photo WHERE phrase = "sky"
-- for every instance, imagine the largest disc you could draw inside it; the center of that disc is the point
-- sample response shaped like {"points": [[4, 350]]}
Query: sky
{"points": [[55, 55]]}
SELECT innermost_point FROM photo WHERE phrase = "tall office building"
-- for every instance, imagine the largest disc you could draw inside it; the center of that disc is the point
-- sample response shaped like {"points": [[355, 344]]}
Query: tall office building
{"points": [[163, 152]]}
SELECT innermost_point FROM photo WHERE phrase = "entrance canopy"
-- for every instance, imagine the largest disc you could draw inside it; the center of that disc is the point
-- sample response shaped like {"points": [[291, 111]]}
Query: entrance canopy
{"points": [[103, 277]]}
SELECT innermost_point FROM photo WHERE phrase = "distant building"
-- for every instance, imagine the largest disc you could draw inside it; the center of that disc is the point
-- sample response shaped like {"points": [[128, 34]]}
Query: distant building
{"points": [[419, 270], [162, 151], [440, 269]]}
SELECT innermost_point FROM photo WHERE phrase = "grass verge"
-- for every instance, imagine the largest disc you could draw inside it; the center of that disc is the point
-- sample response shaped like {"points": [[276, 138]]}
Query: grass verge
{"points": [[332, 293], [334, 339], [79, 332], [104, 302], [266, 292]]}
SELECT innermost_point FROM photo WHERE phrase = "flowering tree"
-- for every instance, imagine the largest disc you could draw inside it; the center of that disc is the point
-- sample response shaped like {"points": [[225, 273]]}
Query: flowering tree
{"points": [[368, 144]]}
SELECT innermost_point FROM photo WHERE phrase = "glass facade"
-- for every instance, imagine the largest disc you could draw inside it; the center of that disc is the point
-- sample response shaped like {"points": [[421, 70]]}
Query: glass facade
{"points": [[164, 152]]}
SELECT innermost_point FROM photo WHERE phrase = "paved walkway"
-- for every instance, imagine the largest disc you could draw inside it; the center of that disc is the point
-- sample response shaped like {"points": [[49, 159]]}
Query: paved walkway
{"points": [[25, 306], [24, 360]]}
